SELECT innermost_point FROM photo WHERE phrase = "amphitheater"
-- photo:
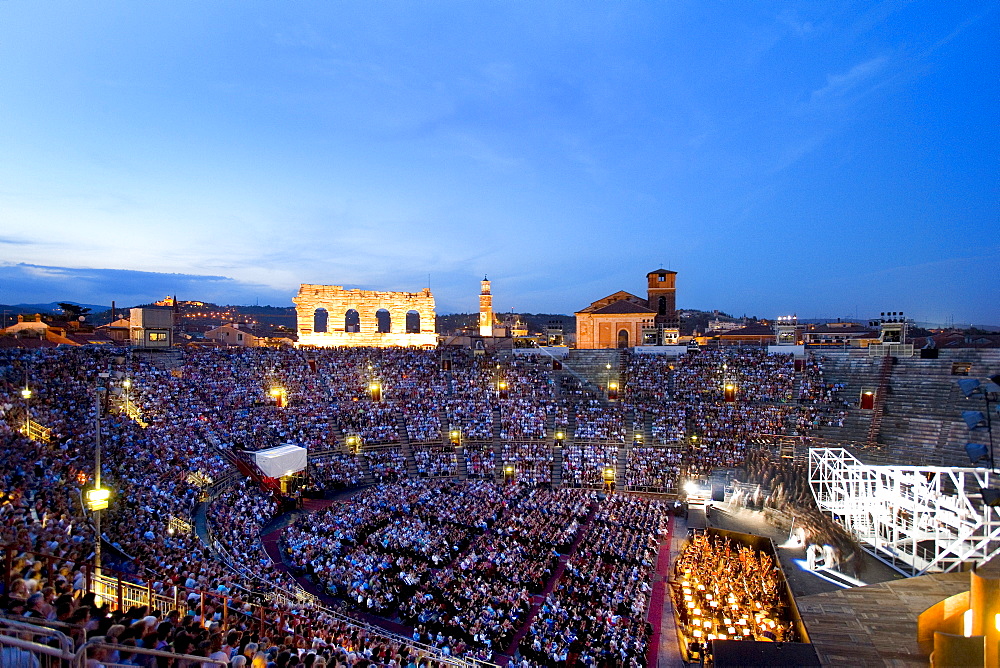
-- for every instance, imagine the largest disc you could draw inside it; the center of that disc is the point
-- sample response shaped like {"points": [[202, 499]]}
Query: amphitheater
{"points": [[493, 510]]}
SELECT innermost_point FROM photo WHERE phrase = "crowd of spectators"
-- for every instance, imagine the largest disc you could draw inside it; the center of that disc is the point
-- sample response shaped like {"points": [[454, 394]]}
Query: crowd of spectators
{"points": [[531, 462], [479, 459], [584, 464], [653, 468], [334, 471], [435, 461], [387, 464], [459, 564], [597, 613]]}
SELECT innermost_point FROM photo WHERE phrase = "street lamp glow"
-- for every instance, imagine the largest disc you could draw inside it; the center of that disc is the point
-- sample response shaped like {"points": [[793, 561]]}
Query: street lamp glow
{"points": [[97, 498]]}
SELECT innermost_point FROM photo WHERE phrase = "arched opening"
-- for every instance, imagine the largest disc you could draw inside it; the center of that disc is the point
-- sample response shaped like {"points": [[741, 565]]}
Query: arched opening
{"points": [[412, 322], [661, 306], [352, 321], [321, 320], [623, 338], [383, 321]]}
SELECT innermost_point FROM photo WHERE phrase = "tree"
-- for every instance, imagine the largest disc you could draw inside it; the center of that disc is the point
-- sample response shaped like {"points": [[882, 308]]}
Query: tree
{"points": [[73, 311]]}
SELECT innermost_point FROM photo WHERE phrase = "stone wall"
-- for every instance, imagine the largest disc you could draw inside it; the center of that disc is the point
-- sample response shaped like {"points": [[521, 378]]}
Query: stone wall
{"points": [[337, 301], [596, 331]]}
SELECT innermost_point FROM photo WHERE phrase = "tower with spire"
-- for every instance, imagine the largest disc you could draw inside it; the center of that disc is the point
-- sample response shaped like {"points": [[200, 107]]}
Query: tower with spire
{"points": [[485, 309]]}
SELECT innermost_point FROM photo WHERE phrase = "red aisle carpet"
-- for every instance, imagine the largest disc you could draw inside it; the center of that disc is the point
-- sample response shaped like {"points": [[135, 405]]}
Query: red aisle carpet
{"points": [[658, 596], [550, 586]]}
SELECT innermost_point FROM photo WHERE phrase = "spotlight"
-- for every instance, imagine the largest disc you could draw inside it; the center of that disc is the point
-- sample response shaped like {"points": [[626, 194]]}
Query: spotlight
{"points": [[976, 451], [991, 497], [968, 386], [973, 418]]}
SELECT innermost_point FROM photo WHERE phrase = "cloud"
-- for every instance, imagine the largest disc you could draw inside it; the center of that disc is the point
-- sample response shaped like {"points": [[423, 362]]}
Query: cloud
{"points": [[840, 85], [24, 282]]}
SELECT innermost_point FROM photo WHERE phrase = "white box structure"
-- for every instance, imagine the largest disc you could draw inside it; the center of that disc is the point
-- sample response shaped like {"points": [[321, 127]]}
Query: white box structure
{"points": [[282, 460], [916, 519]]}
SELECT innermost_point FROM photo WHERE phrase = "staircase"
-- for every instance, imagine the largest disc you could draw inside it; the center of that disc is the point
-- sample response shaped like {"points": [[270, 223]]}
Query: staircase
{"points": [[411, 462], [404, 435], [167, 360], [557, 468], [497, 445], [879, 407], [647, 428], [621, 465], [366, 471], [591, 367]]}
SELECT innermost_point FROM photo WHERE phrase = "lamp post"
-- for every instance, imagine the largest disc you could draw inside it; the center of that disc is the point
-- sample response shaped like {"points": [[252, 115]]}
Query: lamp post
{"points": [[97, 498], [26, 395]]}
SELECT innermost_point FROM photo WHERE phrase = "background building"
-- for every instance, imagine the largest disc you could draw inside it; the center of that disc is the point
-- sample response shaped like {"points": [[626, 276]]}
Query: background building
{"points": [[623, 320]]}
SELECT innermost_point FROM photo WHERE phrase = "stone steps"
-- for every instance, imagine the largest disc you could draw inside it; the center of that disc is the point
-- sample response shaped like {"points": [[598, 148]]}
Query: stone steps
{"points": [[922, 422]]}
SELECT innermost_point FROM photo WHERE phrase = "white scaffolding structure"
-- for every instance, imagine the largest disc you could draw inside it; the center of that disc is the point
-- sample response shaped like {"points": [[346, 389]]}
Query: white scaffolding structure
{"points": [[915, 519]]}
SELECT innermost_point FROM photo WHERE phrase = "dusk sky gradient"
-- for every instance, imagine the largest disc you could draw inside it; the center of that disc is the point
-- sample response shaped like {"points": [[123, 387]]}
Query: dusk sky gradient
{"points": [[824, 159]]}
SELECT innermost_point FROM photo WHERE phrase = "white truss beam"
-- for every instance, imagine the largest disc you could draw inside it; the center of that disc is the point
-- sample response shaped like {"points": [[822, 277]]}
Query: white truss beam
{"points": [[916, 519]]}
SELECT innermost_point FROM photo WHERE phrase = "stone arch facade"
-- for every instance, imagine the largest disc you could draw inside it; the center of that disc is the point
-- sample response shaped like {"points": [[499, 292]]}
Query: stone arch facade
{"points": [[337, 301]]}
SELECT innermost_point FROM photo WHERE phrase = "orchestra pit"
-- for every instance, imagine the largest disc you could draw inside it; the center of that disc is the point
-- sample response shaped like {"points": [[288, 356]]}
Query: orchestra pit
{"points": [[379, 507]]}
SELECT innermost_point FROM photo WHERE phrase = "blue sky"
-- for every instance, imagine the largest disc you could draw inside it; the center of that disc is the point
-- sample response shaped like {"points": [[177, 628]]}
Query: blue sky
{"points": [[824, 159]]}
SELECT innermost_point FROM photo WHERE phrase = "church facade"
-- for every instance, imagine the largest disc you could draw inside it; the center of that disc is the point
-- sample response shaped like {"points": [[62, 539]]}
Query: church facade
{"points": [[623, 320]]}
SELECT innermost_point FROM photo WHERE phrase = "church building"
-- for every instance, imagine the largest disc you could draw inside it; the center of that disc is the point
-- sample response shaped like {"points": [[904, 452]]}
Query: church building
{"points": [[623, 320]]}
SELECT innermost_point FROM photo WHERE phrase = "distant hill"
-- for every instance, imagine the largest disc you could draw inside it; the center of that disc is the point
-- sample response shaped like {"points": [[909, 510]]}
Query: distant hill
{"points": [[51, 307], [452, 322]]}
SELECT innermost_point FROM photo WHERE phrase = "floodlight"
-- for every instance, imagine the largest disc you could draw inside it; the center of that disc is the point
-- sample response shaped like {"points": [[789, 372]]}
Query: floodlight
{"points": [[973, 418], [977, 451], [968, 386], [991, 497], [97, 499]]}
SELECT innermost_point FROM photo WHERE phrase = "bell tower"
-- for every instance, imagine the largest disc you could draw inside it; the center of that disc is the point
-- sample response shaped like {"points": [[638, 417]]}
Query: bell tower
{"points": [[661, 293], [485, 309], [661, 296]]}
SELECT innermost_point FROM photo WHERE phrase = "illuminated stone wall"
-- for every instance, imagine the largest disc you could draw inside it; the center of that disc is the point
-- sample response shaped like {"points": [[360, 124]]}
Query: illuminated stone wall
{"points": [[337, 301], [596, 331]]}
